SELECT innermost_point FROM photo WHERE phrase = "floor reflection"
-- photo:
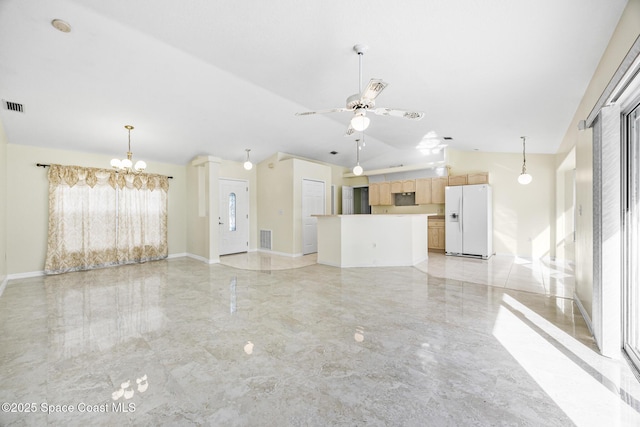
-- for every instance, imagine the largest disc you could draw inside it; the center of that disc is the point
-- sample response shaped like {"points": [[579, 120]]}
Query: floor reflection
{"points": [[185, 342]]}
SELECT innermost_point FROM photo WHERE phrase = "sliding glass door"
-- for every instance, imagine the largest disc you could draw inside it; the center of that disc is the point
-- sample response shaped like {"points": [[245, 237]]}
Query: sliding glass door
{"points": [[631, 199]]}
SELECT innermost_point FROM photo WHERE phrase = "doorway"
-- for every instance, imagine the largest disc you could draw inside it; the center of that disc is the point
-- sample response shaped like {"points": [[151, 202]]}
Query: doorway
{"points": [[234, 216]]}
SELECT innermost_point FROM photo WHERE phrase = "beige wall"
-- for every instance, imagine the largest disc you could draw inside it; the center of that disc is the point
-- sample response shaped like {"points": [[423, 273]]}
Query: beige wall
{"points": [[523, 215], [565, 211], [275, 202], [3, 206], [197, 227], [279, 183], [27, 198]]}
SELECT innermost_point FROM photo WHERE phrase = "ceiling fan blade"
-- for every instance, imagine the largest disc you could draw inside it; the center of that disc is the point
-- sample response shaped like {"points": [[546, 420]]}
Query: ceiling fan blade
{"points": [[373, 89], [332, 110], [413, 115], [350, 130]]}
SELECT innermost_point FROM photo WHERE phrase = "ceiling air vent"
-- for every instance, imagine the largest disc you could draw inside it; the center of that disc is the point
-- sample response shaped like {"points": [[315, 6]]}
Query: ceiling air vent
{"points": [[13, 106]]}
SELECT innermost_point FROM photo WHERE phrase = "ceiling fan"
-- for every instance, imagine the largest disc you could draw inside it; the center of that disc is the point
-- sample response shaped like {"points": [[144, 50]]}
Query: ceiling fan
{"points": [[363, 102]]}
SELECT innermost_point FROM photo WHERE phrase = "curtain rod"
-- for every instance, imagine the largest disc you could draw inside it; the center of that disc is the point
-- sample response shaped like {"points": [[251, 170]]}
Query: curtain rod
{"points": [[43, 165]]}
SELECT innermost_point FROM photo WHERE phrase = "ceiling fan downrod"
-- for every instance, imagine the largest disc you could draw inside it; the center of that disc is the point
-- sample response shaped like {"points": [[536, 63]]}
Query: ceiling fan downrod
{"points": [[360, 50]]}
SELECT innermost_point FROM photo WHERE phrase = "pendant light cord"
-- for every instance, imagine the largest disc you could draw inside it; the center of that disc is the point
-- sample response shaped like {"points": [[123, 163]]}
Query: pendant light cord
{"points": [[524, 156]]}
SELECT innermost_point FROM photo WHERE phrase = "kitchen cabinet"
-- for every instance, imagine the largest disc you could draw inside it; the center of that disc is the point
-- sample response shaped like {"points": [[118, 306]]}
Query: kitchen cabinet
{"points": [[437, 189], [385, 193], [374, 194], [457, 180], [435, 234], [478, 178], [409, 186], [405, 186], [423, 191], [380, 194]]}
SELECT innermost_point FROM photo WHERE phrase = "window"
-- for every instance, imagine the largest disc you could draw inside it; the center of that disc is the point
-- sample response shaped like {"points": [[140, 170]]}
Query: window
{"points": [[232, 212]]}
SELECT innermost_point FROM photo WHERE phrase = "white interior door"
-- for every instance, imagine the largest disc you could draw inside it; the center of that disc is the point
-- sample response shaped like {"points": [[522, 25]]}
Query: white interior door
{"points": [[313, 199], [234, 216], [347, 200]]}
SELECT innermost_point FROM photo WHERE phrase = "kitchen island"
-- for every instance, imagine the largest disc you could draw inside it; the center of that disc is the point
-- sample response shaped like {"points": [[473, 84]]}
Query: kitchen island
{"points": [[372, 240]]}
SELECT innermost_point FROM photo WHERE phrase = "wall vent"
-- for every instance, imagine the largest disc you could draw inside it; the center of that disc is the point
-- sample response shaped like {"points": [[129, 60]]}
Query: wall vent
{"points": [[13, 106], [265, 239]]}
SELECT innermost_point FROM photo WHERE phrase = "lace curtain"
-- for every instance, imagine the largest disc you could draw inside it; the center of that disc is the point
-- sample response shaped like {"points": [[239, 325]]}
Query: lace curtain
{"points": [[99, 218]]}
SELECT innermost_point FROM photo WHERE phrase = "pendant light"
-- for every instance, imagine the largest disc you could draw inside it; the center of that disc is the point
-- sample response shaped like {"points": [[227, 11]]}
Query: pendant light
{"points": [[126, 165], [247, 164], [357, 169], [524, 177]]}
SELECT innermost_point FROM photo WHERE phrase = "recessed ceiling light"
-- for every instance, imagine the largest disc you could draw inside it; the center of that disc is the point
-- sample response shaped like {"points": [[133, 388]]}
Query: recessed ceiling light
{"points": [[61, 25]]}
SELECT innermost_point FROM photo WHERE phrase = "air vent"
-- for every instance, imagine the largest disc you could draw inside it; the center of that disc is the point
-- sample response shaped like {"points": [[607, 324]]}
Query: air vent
{"points": [[13, 106], [265, 239]]}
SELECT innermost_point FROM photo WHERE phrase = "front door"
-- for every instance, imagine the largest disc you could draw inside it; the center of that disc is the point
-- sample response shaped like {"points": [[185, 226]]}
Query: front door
{"points": [[313, 199], [234, 216]]}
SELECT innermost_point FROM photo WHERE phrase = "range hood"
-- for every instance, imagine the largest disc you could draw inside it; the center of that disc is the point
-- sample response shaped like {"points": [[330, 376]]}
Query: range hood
{"points": [[405, 199]]}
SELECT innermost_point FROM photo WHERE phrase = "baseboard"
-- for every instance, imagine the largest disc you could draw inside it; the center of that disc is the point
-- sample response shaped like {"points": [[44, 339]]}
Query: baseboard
{"points": [[26, 275], [584, 313], [203, 259], [3, 284], [182, 255]]}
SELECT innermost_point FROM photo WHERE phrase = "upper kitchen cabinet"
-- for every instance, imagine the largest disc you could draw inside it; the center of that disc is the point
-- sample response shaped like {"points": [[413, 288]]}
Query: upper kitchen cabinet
{"points": [[385, 193], [374, 194], [409, 186], [458, 180], [405, 186], [423, 191], [380, 194], [478, 178], [437, 189]]}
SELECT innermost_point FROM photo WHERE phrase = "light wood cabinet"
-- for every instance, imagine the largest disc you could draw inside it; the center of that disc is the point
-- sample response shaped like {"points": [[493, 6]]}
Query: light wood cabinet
{"points": [[409, 186], [457, 180], [437, 189], [405, 186], [374, 194], [423, 191], [435, 234], [380, 194], [478, 178], [385, 193]]}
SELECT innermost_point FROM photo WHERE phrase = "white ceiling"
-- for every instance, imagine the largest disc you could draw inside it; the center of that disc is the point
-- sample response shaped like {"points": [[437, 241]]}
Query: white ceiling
{"points": [[215, 77]]}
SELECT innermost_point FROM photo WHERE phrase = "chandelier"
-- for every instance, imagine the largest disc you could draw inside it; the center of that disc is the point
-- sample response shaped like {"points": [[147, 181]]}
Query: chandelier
{"points": [[127, 165]]}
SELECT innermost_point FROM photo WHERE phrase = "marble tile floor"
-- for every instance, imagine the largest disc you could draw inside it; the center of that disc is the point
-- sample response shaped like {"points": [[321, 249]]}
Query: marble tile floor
{"points": [[179, 342]]}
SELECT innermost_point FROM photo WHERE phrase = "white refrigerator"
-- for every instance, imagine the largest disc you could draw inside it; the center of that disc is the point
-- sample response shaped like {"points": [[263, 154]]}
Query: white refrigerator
{"points": [[469, 221]]}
